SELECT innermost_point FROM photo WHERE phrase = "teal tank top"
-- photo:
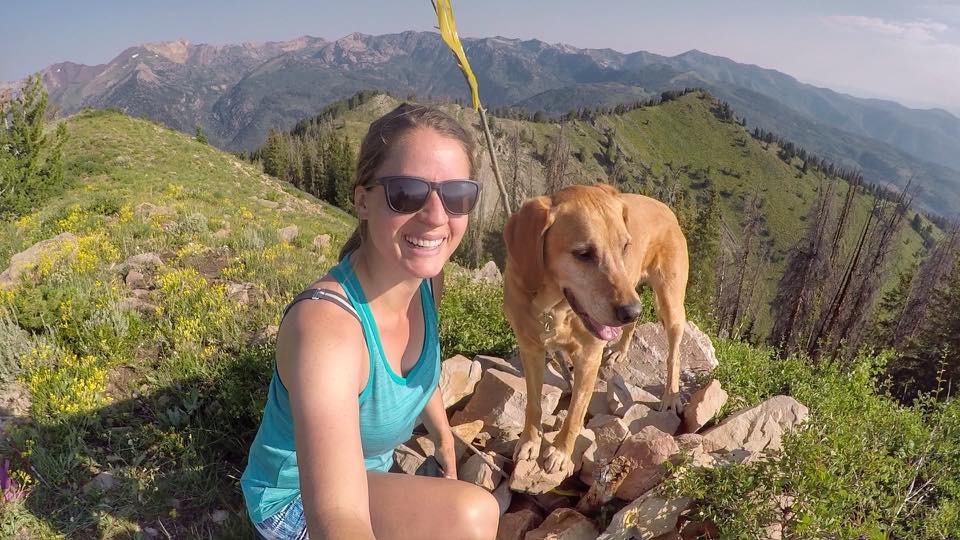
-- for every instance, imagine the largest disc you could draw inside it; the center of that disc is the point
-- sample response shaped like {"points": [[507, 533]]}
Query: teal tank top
{"points": [[389, 407]]}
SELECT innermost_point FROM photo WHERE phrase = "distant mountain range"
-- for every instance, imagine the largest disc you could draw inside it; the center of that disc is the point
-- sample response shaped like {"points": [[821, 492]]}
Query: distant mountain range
{"points": [[238, 92]]}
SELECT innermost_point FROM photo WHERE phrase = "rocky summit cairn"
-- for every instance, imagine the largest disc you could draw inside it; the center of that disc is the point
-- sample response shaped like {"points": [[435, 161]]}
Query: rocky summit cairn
{"points": [[623, 453]]}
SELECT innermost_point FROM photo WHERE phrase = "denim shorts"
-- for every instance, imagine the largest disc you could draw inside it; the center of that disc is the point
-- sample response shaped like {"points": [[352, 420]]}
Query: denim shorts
{"points": [[287, 524]]}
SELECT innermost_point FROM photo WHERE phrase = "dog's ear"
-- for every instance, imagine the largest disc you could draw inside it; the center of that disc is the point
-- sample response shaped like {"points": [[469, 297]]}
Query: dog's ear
{"points": [[523, 236]]}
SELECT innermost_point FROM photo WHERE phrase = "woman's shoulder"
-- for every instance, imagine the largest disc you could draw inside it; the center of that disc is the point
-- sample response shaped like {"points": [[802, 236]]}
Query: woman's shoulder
{"points": [[317, 327]]}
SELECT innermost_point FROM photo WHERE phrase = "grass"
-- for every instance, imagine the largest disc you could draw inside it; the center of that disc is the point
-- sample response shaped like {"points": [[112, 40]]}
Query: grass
{"points": [[165, 397], [862, 466]]}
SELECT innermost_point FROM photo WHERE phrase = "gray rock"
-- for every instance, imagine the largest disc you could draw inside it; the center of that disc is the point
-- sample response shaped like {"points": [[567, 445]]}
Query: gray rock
{"points": [[287, 234], [28, 258], [757, 428]]}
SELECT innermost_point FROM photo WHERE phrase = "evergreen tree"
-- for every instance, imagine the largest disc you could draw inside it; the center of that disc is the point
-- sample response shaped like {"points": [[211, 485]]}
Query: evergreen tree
{"points": [[273, 155], [31, 163], [703, 242], [199, 135], [890, 309], [935, 351], [339, 169]]}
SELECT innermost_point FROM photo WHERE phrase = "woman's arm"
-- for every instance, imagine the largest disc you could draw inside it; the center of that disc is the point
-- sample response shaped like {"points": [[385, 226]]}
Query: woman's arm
{"points": [[321, 362], [434, 415]]}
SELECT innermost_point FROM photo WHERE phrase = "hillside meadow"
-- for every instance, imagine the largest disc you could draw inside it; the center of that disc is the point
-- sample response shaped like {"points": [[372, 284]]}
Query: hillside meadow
{"points": [[137, 349]]}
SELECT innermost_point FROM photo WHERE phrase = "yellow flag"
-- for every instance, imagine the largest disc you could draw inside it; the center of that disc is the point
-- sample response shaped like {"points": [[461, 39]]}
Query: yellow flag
{"points": [[448, 31]]}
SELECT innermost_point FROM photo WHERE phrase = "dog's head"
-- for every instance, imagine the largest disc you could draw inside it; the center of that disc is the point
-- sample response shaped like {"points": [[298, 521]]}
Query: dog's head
{"points": [[577, 239]]}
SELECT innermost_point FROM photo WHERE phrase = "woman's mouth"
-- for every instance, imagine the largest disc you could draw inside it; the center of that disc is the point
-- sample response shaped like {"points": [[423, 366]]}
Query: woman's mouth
{"points": [[601, 331], [424, 244]]}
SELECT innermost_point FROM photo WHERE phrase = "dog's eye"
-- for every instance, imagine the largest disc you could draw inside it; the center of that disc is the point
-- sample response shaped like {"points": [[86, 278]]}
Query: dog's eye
{"points": [[626, 246], [585, 254]]}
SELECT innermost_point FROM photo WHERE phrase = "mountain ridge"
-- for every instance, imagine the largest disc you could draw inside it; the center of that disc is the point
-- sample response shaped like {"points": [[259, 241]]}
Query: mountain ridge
{"points": [[238, 92]]}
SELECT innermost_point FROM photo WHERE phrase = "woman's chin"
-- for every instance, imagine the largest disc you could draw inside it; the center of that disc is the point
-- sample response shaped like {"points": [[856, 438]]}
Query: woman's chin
{"points": [[424, 263]]}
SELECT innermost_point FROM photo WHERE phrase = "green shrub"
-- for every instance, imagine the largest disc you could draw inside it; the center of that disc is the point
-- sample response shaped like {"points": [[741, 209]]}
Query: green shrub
{"points": [[471, 319], [862, 466]]}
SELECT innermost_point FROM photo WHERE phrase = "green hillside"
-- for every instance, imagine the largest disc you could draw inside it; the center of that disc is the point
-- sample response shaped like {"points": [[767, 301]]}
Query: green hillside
{"points": [[152, 372], [680, 141]]}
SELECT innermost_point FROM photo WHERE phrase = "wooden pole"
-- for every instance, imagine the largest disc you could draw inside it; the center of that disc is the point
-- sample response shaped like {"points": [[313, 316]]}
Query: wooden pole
{"points": [[493, 160]]}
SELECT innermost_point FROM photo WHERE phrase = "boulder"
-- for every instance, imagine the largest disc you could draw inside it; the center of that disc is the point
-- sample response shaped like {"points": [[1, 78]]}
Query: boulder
{"points": [[643, 455], [704, 404], [640, 416], [321, 241], [458, 377], [757, 428], [515, 525], [28, 258], [564, 524], [136, 280], [500, 399], [646, 362], [646, 518], [622, 395], [477, 471], [529, 477], [102, 482], [609, 431], [287, 234], [489, 273]]}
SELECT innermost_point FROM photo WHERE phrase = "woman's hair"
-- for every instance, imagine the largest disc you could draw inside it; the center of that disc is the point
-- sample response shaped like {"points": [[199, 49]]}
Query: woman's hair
{"points": [[384, 133]]}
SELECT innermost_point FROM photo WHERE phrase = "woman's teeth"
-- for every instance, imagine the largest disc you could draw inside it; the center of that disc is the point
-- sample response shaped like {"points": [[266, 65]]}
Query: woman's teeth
{"points": [[423, 242]]}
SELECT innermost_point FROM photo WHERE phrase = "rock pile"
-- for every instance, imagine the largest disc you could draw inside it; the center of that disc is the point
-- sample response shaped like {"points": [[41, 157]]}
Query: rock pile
{"points": [[621, 453]]}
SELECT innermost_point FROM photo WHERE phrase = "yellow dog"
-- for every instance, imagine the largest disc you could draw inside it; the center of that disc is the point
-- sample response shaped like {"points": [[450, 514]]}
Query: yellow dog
{"points": [[574, 261]]}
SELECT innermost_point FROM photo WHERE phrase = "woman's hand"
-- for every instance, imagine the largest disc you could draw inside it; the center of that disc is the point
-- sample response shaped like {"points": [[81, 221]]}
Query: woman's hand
{"points": [[447, 456]]}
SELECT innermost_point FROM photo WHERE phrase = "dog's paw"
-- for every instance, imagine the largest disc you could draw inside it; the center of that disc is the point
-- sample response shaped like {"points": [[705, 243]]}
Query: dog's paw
{"points": [[615, 356], [555, 460], [670, 401], [528, 448]]}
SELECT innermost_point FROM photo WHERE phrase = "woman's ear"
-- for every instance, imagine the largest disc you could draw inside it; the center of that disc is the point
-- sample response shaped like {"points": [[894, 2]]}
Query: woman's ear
{"points": [[360, 201]]}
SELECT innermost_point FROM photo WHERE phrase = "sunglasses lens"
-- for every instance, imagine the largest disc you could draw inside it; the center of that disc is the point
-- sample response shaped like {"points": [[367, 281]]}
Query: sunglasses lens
{"points": [[406, 195], [459, 197]]}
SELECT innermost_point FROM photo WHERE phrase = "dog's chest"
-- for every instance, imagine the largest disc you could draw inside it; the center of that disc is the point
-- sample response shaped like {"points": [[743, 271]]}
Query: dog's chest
{"points": [[558, 328]]}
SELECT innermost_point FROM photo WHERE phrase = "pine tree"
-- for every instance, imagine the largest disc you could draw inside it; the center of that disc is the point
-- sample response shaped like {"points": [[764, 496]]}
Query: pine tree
{"points": [[937, 346], [339, 170], [890, 309], [273, 155], [704, 247], [199, 135], [31, 164]]}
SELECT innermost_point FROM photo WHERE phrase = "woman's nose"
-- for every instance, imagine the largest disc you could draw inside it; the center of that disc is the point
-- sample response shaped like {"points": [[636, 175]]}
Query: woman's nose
{"points": [[433, 213]]}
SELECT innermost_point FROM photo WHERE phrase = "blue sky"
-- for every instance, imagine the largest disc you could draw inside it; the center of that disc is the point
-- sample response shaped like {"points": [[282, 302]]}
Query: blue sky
{"points": [[904, 50]]}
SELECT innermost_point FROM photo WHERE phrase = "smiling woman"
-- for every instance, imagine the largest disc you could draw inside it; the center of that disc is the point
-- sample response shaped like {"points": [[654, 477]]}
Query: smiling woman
{"points": [[343, 394]]}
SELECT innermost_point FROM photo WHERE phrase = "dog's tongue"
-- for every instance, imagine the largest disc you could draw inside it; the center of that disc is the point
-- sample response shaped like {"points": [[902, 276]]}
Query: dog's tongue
{"points": [[608, 333]]}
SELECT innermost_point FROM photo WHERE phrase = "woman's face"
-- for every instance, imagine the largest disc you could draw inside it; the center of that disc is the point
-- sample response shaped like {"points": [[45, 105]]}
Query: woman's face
{"points": [[409, 241]]}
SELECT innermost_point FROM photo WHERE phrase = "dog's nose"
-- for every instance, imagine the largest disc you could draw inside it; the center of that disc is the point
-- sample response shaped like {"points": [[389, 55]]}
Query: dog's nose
{"points": [[628, 313]]}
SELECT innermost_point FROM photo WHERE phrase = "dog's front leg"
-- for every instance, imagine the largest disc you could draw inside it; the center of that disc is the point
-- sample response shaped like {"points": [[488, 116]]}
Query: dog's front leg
{"points": [[533, 358], [586, 363], [618, 351], [670, 400]]}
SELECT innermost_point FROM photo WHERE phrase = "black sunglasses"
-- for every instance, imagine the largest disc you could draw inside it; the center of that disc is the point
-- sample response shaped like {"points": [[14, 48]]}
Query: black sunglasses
{"points": [[409, 194]]}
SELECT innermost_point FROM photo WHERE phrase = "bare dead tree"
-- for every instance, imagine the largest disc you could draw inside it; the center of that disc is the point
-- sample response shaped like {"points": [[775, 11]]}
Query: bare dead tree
{"points": [[745, 327], [516, 189], [808, 267], [845, 321], [753, 221], [929, 276], [558, 161]]}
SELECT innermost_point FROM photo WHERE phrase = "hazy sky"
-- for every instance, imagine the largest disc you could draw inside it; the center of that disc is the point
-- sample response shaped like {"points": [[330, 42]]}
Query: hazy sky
{"points": [[905, 50]]}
